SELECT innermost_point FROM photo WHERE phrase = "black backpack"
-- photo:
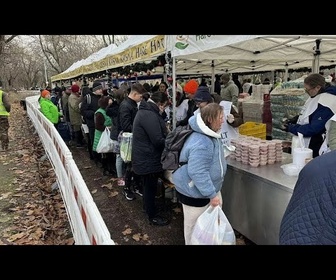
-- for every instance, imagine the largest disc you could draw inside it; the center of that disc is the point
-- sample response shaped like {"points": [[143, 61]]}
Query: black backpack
{"points": [[173, 146]]}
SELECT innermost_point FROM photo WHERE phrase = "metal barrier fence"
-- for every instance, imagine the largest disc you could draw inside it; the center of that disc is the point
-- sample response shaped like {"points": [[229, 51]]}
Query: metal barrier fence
{"points": [[87, 225]]}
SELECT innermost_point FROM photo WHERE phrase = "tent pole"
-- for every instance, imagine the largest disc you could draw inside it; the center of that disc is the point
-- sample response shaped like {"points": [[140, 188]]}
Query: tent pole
{"points": [[174, 92], [212, 77]]}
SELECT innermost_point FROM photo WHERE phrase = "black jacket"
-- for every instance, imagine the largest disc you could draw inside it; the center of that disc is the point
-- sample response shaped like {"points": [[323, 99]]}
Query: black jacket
{"points": [[128, 108], [88, 110], [149, 134], [112, 112]]}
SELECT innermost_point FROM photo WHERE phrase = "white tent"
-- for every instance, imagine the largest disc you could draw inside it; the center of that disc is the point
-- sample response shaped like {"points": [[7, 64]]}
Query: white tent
{"points": [[210, 54], [137, 48], [248, 53]]}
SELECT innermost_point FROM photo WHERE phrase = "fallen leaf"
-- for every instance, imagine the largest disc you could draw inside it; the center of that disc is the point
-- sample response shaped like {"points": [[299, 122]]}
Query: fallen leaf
{"points": [[113, 194], [109, 186], [94, 191], [127, 231], [137, 237]]}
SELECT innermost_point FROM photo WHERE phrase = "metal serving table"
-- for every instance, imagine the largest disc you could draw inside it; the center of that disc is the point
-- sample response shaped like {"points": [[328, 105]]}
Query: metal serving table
{"points": [[255, 199]]}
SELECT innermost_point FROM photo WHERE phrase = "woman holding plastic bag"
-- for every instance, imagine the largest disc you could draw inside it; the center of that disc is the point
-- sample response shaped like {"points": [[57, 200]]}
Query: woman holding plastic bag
{"points": [[102, 120], [198, 182]]}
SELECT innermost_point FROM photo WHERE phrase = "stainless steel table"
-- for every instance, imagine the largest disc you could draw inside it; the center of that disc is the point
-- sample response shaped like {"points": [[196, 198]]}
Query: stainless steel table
{"points": [[255, 199]]}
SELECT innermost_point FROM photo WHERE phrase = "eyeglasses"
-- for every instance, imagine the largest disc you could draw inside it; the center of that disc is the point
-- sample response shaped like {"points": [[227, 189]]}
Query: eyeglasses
{"points": [[308, 89]]}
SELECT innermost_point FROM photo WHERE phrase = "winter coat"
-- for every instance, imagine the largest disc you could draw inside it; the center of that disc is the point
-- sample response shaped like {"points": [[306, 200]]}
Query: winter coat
{"points": [[230, 92], [128, 108], [203, 175], [98, 133], [74, 111], [88, 110], [112, 112], [49, 110], [310, 217], [149, 134]]}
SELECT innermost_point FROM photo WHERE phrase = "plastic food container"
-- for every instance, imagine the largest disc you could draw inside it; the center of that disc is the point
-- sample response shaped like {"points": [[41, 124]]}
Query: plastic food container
{"points": [[291, 169]]}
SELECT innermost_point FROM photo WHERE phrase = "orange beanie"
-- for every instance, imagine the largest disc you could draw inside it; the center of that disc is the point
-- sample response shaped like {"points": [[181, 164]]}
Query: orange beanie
{"points": [[190, 87], [44, 93]]}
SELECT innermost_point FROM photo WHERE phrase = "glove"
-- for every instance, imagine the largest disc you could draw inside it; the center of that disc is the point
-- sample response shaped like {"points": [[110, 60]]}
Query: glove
{"points": [[230, 118], [293, 120], [284, 127]]}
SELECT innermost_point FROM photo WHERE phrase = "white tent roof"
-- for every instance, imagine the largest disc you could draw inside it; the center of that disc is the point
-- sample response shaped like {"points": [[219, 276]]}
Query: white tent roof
{"points": [[247, 53], [137, 48]]}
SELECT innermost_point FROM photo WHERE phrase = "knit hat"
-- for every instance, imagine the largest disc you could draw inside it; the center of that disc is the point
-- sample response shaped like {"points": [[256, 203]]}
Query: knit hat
{"points": [[44, 93], [96, 85], [75, 88], [202, 94], [191, 86]]}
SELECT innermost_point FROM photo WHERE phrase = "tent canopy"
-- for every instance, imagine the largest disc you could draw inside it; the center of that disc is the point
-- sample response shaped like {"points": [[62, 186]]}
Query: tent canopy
{"points": [[137, 48], [198, 54]]}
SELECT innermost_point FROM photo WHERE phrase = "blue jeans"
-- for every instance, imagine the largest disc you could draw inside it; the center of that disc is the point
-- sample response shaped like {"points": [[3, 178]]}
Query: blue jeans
{"points": [[120, 166]]}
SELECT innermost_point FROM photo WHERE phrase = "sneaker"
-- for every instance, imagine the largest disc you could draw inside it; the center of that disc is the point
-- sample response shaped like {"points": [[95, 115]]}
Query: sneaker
{"points": [[137, 191], [158, 221], [128, 194]]}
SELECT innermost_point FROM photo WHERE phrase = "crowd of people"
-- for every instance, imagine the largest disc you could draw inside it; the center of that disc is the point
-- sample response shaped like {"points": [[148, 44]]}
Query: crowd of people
{"points": [[146, 112]]}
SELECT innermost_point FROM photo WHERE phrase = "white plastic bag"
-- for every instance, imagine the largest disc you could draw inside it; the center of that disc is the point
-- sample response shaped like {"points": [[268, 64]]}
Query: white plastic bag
{"points": [[213, 228], [105, 144], [126, 146]]}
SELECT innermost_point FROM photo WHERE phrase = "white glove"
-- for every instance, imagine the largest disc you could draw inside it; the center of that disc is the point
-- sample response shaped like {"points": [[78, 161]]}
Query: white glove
{"points": [[230, 118]]}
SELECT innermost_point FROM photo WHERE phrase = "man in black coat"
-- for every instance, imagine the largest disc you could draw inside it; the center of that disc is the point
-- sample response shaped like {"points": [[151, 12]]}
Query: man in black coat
{"points": [[126, 114], [149, 134], [88, 108]]}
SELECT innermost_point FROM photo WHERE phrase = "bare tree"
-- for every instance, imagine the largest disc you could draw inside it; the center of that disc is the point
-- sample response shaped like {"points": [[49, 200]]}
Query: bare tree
{"points": [[4, 40]]}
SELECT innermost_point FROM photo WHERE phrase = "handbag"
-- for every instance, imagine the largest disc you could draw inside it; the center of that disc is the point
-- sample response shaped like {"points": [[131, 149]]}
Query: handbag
{"points": [[213, 228], [126, 146], [105, 144]]}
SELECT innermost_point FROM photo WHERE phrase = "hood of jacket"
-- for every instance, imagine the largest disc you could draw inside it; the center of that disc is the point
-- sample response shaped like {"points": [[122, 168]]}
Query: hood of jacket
{"points": [[198, 125]]}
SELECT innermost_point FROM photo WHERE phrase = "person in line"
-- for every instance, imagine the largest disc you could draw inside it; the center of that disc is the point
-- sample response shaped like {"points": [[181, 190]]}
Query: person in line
{"points": [[75, 116], [84, 91], [202, 98], [5, 108], [149, 134], [88, 108], [198, 182], [65, 110], [230, 90], [112, 111], [310, 216], [181, 105], [102, 120], [318, 109], [189, 89], [127, 111], [48, 108], [163, 87]]}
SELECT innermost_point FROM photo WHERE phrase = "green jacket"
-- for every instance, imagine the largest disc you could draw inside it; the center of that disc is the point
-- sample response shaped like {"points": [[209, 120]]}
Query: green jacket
{"points": [[49, 110]]}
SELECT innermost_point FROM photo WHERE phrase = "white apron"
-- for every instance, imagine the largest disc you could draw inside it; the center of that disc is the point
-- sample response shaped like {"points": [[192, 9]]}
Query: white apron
{"points": [[325, 99]]}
